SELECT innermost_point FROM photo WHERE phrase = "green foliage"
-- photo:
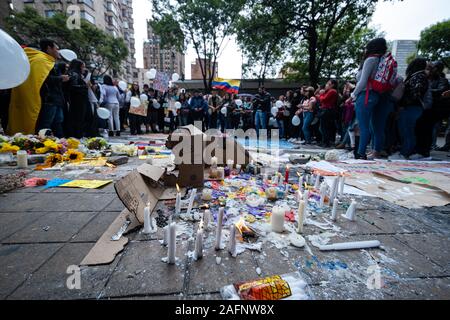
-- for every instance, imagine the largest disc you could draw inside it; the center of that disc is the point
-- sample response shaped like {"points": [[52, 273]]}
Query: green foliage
{"points": [[204, 24], [435, 42], [92, 45], [326, 34]]}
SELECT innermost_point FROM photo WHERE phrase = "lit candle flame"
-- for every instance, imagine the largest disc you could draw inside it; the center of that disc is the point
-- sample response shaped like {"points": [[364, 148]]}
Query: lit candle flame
{"points": [[298, 173], [178, 188]]}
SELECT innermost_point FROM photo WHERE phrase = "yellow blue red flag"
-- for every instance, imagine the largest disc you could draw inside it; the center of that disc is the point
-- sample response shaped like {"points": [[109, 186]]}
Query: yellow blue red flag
{"points": [[230, 86]]}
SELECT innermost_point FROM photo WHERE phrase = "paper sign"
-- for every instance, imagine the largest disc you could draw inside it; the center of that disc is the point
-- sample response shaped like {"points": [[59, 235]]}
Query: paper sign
{"points": [[140, 111], [56, 183], [161, 82], [86, 184]]}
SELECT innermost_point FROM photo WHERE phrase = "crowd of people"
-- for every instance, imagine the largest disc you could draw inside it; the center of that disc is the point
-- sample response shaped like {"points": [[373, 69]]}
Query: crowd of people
{"points": [[396, 117]]}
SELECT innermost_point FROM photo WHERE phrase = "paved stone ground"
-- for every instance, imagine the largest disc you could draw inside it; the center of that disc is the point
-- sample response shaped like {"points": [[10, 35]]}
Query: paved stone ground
{"points": [[42, 232]]}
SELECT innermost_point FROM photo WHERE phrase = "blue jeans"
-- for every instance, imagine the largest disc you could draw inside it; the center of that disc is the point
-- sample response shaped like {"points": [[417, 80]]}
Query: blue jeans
{"points": [[51, 117], [378, 123], [260, 121], [406, 126], [364, 115], [280, 123], [308, 117]]}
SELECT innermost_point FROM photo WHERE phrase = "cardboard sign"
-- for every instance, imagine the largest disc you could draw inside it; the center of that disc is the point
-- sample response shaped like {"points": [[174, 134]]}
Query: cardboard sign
{"points": [[140, 111], [161, 82]]}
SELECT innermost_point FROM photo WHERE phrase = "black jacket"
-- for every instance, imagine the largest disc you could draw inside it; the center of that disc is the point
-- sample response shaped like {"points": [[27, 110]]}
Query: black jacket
{"points": [[51, 90], [262, 102]]}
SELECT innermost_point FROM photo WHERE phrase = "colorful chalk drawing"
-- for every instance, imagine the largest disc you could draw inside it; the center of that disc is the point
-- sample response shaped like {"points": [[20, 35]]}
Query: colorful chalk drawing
{"points": [[415, 180]]}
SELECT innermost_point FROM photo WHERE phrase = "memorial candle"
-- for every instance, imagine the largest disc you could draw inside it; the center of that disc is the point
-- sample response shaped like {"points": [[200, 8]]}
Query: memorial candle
{"points": [[334, 189], [341, 184], [147, 221], [351, 211], [300, 216], [334, 210], [178, 201], [219, 228], [317, 182], [277, 219], [232, 243], [172, 243], [166, 236], [323, 191], [286, 174], [191, 200], [199, 242]]}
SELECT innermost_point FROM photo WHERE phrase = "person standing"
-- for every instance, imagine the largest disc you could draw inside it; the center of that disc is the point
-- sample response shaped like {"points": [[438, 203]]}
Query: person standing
{"points": [[261, 106], [309, 106], [198, 106], [412, 105], [26, 101], [366, 98], [328, 99], [79, 106], [111, 99], [135, 119], [214, 102], [185, 110]]}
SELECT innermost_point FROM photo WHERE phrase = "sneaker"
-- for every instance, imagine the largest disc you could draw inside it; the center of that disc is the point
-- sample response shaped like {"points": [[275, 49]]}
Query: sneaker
{"points": [[419, 157], [396, 156], [117, 133]]}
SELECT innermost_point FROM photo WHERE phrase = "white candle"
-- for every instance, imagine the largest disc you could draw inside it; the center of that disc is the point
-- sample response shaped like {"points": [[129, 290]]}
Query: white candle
{"points": [[199, 243], [277, 219], [351, 245], [299, 195], [166, 236], [334, 189], [172, 243], [22, 159], [334, 210], [238, 168], [221, 173], [323, 192], [147, 221], [207, 194], [191, 200], [232, 243], [341, 185], [275, 179], [300, 216], [351, 211], [178, 201], [219, 228], [206, 219], [306, 197], [214, 161], [317, 182]]}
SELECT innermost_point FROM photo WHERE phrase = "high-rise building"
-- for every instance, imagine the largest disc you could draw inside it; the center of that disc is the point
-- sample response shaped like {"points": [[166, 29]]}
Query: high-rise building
{"points": [[402, 50], [196, 69], [165, 60], [5, 10], [113, 16]]}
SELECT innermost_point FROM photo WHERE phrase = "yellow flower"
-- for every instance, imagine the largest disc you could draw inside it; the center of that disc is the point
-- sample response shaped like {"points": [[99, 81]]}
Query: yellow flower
{"points": [[6, 147], [53, 159], [51, 145], [72, 143], [41, 150], [73, 156]]}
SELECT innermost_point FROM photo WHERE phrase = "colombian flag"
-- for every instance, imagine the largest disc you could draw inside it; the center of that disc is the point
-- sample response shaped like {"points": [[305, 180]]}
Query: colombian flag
{"points": [[230, 86]]}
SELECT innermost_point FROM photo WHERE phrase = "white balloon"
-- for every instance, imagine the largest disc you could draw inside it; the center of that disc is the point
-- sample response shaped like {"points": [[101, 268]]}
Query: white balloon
{"points": [[14, 66], [175, 77], [151, 74], [135, 102], [122, 85], [273, 122], [103, 113], [144, 97], [178, 105], [238, 102], [296, 121], [156, 104], [68, 54], [224, 110], [279, 104], [274, 111]]}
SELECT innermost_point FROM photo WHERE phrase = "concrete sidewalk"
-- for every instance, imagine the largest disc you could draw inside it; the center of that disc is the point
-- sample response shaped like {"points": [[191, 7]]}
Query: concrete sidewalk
{"points": [[42, 232]]}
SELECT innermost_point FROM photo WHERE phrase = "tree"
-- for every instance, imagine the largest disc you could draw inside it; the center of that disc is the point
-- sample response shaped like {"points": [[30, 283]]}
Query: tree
{"points": [[204, 24], [313, 26], [263, 48], [95, 47], [343, 57], [435, 42]]}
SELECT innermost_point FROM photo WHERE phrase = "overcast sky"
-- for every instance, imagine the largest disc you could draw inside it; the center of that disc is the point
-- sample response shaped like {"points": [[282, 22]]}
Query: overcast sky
{"points": [[399, 20]]}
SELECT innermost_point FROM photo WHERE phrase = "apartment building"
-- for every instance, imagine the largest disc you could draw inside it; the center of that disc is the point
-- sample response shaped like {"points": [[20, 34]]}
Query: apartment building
{"points": [[113, 16], [402, 50], [196, 69], [165, 60]]}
